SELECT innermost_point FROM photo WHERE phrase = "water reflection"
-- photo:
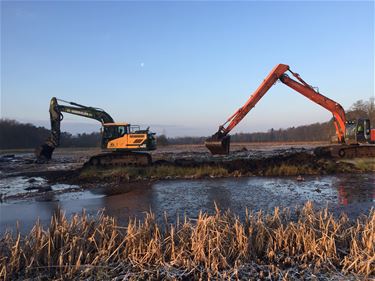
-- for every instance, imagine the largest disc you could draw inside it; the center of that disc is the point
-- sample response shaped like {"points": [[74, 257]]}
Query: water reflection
{"points": [[356, 189], [353, 194]]}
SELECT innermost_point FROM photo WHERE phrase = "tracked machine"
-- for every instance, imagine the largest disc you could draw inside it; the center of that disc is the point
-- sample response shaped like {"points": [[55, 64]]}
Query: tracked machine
{"points": [[122, 143], [354, 138]]}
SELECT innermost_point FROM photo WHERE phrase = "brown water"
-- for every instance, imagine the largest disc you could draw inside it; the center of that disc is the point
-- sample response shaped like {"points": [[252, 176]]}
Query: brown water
{"points": [[352, 193]]}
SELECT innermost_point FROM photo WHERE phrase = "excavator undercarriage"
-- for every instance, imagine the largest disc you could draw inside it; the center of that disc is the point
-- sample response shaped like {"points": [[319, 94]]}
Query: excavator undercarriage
{"points": [[120, 159], [346, 151]]}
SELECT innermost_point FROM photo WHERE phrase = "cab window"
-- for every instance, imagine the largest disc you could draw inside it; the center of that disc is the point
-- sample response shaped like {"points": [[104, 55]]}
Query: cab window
{"points": [[109, 132], [122, 130]]}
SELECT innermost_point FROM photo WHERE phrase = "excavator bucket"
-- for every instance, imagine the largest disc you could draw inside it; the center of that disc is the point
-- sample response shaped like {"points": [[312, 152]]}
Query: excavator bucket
{"points": [[218, 145], [44, 152]]}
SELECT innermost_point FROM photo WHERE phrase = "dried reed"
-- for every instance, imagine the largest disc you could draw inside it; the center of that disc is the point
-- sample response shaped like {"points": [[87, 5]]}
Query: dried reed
{"points": [[217, 246]]}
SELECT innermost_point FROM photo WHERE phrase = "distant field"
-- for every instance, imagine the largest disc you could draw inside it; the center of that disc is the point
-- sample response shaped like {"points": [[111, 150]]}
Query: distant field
{"points": [[177, 148], [238, 146], [59, 150]]}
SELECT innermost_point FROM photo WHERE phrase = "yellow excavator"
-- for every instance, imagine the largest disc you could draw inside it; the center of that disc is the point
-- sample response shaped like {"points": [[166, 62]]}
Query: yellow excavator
{"points": [[121, 142]]}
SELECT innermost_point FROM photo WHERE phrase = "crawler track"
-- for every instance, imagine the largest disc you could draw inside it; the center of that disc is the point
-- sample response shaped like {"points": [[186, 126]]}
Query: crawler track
{"points": [[346, 151], [120, 159]]}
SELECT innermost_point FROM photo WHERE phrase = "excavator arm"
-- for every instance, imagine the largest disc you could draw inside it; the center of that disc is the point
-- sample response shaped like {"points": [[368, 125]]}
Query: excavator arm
{"points": [[44, 152], [339, 118], [220, 141]]}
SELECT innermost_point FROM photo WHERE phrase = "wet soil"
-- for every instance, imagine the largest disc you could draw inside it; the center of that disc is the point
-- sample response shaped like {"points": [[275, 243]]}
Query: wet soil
{"points": [[67, 167], [352, 194], [22, 162], [199, 165], [22, 178], [29, 190]]}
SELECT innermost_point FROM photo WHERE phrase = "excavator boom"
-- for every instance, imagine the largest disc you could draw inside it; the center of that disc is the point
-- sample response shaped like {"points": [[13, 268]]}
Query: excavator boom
{"points": [[44, 152], [335, 108], [220, 141]]}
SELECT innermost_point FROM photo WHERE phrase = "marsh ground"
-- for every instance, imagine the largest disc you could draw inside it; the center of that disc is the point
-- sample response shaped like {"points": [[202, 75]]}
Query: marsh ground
{"points": [[30, 191]]}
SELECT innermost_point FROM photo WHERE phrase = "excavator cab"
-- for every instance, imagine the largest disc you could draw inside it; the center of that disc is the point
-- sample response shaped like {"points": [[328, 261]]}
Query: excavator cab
{"points": [[358, 131], [123, 136], [113, 131]]}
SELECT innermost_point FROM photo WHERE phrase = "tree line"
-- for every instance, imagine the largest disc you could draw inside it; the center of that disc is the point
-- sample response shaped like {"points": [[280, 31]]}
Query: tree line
{"points": [[14, 134]]}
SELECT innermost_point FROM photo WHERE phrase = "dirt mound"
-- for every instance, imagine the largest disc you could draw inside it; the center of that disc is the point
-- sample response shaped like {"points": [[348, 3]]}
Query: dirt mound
{"points": [[306, 162], [201, 165]]}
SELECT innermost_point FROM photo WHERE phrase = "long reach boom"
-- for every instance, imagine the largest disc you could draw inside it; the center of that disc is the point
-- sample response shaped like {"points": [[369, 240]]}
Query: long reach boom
{"points": [[220, 141]]}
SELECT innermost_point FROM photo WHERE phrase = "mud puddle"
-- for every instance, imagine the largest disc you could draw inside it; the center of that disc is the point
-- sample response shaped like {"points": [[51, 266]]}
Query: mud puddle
{"points": [[24, 164], [14, 189], [352, 193]]}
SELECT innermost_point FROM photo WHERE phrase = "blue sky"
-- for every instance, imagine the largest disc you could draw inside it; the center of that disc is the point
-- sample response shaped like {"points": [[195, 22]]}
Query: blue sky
{"points": [[182, 67]]}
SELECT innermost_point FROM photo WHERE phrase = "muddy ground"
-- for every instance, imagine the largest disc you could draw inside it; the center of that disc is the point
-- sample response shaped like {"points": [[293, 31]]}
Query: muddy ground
{"points": [[17, 162], [183, 179], [243, 156], [21, 177]]}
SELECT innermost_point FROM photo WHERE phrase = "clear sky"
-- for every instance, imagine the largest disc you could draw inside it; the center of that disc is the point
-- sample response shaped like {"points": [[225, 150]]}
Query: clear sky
{"points": [[182, 67]]}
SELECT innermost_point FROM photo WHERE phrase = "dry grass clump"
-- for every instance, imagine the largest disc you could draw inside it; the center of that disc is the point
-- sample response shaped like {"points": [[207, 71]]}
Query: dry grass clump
{"points": [[153, 172], [290, 170], [362, 164], [218, 246]]}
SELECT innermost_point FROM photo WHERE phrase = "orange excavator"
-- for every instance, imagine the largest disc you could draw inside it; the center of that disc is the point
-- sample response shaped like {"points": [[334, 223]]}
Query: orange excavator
{"points": [[350, 134]]}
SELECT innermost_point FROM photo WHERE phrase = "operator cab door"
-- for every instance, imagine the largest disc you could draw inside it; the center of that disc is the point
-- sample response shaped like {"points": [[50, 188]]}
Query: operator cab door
{"points": [[363, 131], [358, 131], [367, 127]]}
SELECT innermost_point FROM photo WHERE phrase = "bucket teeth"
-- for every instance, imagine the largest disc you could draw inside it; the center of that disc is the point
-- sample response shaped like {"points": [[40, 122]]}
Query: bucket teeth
{"points": [[218, 145]]}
